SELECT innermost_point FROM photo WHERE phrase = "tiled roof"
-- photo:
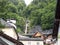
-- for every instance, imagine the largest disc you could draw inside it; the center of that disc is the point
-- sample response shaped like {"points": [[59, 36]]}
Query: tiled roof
{"points": [[38, 29], [35, 29], [2, 42], [6, 24]]}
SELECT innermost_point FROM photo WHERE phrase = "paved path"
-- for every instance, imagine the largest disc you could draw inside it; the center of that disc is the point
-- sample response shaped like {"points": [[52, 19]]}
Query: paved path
{"points": [[58, 41]]}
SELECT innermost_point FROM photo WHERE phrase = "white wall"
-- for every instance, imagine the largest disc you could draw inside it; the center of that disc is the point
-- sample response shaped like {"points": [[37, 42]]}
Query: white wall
{"points": [[32, 42], [10, 32]]}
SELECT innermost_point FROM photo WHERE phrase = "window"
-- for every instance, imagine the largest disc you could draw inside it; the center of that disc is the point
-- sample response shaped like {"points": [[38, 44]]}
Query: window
{"points": [[25, 20], [38, 43]]}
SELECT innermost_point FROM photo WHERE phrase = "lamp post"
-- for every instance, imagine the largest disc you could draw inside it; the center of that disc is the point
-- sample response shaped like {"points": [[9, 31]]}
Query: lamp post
{"points": [[26, 26]]}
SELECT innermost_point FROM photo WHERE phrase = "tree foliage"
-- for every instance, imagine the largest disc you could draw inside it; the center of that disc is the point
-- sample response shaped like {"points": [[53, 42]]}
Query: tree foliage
{"points": [[39, 12], [11, 9]]}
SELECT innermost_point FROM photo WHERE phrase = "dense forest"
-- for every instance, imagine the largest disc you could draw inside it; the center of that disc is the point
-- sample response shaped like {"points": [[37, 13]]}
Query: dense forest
{"points": [[39, 12]]}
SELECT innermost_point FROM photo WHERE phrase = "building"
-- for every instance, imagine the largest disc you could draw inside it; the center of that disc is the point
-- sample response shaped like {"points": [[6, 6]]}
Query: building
{"points": [[39, 29], [8, 34], [11, 37], [9, 27]]}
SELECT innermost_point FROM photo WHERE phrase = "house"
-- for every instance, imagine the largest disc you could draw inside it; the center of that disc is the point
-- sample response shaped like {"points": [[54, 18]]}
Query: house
{"points": [[8, 34], [35, 29], [7, 40], [38, 29], [9, 28], [32, 41], [37, 34]]}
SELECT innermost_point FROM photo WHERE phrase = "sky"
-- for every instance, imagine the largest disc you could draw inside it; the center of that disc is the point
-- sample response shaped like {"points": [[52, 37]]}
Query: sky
{"points": [[28, 1]]}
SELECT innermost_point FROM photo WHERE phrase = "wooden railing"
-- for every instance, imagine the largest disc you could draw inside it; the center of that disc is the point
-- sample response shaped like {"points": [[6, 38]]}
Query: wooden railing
{"points": [[10, 39]]}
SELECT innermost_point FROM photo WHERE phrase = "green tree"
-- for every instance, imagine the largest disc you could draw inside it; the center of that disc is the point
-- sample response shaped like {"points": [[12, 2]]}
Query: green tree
{"points": [[41, 12], [47, 19], [12, 9]]}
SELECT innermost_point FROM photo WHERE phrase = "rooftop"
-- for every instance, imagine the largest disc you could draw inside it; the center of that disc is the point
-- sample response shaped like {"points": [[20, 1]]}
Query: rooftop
{"points": [[38, 29]]}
